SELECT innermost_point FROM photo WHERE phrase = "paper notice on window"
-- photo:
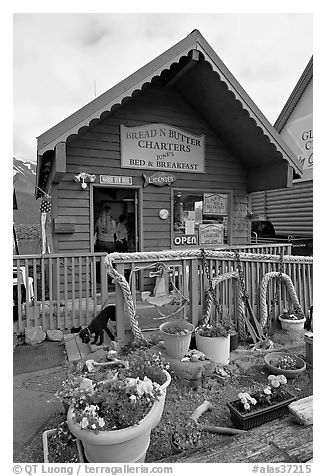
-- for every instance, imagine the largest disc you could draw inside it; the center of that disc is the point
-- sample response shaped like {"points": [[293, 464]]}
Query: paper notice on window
{"points": [[189, 227], [215, 204], [211, 234]]}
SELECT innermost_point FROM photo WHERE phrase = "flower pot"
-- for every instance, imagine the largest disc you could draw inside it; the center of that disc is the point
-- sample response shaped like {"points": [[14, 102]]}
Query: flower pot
{"points": [[176, 345], [216, 349], [234, 341], [292, 324], [271, 359], [309, 348], [161, 401], [45, 440], [128, 445], [259, 417]]}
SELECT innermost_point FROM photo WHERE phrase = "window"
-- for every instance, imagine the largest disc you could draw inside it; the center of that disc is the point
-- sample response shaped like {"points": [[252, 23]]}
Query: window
{"points": [[200, 218]]}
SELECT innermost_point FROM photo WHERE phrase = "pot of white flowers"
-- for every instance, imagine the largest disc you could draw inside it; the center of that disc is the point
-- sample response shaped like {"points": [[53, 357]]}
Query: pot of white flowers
{"points": [[266, 404], [114, 417]]}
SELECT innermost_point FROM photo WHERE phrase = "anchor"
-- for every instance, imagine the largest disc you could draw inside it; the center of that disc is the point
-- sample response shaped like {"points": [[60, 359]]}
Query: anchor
{"points": [[161, 293]]}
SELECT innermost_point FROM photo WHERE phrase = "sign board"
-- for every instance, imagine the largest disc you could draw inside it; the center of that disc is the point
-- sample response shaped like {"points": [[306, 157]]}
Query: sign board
{"points": [[183, 240], [161, 147], [115, 180], [215, 204], [159, 179], [211, 234], [301, 132]]}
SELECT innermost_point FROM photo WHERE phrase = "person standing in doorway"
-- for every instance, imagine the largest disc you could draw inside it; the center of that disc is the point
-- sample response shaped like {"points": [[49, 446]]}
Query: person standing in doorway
{"points": [[105, 231], [122, 235]]}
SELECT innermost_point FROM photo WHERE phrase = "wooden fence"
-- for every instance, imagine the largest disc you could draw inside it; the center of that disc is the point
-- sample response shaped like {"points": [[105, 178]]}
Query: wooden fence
{"points": [[66, 291]]}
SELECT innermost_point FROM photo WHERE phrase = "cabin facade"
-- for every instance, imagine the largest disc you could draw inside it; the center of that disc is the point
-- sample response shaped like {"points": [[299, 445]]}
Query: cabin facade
{"points": [[177, 147], [291, 209]]}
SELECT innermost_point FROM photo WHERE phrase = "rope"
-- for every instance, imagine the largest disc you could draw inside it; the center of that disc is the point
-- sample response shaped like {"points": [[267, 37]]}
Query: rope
{"points": [[128, 301], [241, 305], [263, 293], [176, 254], [197, 253]]}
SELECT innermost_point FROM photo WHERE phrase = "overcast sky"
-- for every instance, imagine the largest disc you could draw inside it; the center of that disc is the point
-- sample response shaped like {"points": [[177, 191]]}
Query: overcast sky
{"points": [[62, 60]]}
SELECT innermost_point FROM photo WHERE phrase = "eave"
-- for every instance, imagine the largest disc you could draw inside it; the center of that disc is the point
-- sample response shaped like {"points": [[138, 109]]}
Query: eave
{"points": [[191, 61]]}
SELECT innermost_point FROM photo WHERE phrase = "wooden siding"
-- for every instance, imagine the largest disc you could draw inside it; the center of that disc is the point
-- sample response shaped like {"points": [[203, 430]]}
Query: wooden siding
{"points": [[98, 152], [290, 210]]}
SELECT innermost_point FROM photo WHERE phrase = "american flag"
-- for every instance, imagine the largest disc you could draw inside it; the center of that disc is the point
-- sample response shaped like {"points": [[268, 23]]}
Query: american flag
{"points": [[45, 206]]}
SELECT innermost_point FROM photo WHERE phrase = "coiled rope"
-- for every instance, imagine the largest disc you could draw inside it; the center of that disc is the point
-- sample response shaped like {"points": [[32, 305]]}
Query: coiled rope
{"points": [[263, 292], [240, 302], [128, 301], [176, 254]]}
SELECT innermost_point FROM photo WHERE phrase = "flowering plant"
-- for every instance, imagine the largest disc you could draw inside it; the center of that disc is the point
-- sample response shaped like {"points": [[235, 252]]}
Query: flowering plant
{"points": [[286, 362], [188, 437], [219, 325], [272, 393], [293, 314], [120, 398], [68, 387]]}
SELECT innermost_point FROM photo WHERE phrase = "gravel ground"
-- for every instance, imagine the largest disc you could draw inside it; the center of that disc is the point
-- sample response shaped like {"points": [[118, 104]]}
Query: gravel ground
{"points": [[246, 372]]}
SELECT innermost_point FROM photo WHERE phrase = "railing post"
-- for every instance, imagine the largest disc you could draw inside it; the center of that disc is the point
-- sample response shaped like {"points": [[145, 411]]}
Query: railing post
{"points": [[119, 310], [104, 281], [193, 291]]}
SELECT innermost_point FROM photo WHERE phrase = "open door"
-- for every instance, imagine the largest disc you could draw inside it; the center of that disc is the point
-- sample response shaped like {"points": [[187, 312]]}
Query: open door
{"points": [[123, 203]]}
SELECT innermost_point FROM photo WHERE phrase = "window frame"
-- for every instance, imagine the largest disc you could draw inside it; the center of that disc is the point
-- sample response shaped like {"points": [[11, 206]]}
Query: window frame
{"points": [[228, 192]]}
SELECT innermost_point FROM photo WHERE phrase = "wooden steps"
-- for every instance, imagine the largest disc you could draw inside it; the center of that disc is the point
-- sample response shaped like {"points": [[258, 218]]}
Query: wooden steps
{"points": [[75, 349]]}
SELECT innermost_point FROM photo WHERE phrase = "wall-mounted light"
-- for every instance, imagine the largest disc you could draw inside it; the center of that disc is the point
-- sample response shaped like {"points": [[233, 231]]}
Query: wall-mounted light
{"points": [[83, 178]]}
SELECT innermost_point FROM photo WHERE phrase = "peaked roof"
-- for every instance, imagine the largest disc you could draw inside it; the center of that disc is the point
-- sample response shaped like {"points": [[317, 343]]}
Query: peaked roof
{"points": [[219, 97], [295, 96]]}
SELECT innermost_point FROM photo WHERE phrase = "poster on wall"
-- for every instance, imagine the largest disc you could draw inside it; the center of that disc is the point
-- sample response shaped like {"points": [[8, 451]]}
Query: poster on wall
{"points": [[211, 234], [215, 204]]}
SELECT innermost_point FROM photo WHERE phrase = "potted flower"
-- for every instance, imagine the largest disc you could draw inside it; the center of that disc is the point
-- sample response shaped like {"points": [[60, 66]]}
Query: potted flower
{"points": [[284, 363], [68, 388], [176, 335], [187, 438], [292, 319], [113, 417], [60, 446], [213, 337], [265, 405]]}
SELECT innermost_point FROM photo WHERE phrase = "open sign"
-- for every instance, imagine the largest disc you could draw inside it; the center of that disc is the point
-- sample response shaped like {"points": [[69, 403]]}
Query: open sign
{"points": [[182, 240]]}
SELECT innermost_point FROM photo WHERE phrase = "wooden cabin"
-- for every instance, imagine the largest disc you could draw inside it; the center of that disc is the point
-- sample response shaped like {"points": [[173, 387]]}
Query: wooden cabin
{"points": [[177, 147], [291, 209]]}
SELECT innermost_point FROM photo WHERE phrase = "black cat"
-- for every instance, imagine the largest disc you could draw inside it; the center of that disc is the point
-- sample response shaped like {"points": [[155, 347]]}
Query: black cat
{"points": [[98, 326]]}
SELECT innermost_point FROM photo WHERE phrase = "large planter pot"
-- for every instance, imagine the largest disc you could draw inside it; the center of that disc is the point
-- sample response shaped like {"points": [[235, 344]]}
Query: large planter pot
{"points": [[259, 417], [176, 345], [292, 324], [216, 349], [272, 357], [128, 445]]}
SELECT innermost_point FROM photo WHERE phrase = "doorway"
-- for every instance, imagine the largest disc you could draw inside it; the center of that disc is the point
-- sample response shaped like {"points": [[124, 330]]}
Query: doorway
{"points": [[123, 202]]}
